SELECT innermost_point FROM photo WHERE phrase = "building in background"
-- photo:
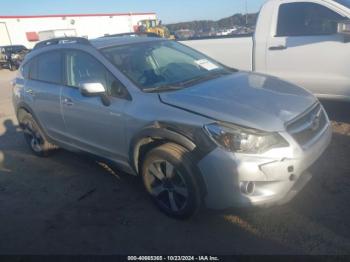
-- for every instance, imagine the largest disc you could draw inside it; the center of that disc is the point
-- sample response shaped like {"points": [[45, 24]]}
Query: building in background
{"points": [[26, 30]]}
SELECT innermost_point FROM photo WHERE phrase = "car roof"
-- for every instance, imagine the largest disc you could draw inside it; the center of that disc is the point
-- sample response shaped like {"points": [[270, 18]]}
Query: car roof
{"points": [[105, 42], [98, 43]]}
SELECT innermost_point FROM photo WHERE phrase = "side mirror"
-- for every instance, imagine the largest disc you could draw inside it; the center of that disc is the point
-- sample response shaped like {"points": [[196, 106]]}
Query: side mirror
{"points": [[92, 89], [95, 89]]}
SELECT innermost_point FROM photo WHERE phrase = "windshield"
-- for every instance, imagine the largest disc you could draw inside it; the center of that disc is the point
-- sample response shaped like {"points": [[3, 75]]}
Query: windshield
{"points": [[343, 2], [159, 65]]}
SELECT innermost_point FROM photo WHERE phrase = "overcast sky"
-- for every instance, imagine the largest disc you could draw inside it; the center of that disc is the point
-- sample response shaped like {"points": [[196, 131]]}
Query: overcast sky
{"points": [[168, 11]]}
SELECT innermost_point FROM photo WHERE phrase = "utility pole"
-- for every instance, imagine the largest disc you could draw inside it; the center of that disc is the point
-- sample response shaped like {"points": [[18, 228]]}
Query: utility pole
{"points": [[246, 12]]}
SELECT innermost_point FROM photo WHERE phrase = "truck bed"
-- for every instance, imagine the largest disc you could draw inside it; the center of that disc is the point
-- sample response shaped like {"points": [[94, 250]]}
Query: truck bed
{"points": [[236, 52]]}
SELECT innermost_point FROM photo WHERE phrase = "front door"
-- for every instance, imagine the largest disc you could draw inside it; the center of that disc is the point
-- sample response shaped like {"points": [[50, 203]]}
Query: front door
{"points": [[91, 125], [306, 50]]}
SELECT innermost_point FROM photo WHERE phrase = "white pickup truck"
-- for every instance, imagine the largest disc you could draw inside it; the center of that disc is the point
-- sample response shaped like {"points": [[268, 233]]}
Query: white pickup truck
{"points": [[306, 42]]}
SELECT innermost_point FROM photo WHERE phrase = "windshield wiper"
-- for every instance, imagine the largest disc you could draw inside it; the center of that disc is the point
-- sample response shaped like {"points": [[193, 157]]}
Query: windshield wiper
{"points": [[187, 83], [161, 88], [201, 79]]}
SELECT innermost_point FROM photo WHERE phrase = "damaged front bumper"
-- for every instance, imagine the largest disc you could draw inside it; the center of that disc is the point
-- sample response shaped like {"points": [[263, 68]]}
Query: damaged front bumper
{"points": [[273, 178]]}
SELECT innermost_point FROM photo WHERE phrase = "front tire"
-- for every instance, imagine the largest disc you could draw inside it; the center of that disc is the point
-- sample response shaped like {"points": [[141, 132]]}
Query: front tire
{"points": [[169, 177], [35, 138]]}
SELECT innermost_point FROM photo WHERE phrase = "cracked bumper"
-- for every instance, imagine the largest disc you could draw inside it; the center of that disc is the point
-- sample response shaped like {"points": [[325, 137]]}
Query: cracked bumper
{"points": [[278, 175]]}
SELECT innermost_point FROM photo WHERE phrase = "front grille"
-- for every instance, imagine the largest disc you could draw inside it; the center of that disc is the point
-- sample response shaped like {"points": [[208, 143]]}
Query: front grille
{"points": [[308, 125]]}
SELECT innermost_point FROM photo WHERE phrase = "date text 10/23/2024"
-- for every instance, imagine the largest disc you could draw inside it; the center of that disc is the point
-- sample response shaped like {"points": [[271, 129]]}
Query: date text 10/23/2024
{"points": [[173, 258]]}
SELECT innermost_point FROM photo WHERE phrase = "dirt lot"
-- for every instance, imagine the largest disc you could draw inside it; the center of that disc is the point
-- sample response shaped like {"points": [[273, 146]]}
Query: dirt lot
{"points": [[69, 204]]}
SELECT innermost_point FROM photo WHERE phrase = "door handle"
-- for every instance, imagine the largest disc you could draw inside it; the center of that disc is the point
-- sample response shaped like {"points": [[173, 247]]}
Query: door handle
{"points": [[276, 48], [67, 101], [30, 92]]}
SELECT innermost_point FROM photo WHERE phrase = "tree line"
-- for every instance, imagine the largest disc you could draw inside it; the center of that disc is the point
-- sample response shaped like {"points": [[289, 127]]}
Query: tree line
{"points": [[237, 20]]}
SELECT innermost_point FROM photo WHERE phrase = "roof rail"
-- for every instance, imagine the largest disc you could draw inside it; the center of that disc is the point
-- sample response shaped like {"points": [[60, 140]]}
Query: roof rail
{"points": [[62, 40], [136, 34]]}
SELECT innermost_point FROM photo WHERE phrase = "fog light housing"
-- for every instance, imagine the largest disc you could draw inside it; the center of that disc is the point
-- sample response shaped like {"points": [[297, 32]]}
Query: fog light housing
{"points": [[247, 187]]}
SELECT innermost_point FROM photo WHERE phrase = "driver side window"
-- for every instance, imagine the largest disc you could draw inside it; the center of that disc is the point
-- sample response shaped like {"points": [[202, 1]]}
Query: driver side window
{"points": [[83, 68], [307, 19]]}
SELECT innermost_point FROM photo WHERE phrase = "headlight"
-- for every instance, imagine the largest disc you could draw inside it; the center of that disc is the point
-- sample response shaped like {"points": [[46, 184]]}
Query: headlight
{"points": [[14, 56], [243, 140]]}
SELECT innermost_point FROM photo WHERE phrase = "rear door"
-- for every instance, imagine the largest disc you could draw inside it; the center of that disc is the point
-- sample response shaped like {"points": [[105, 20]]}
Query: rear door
{"points": [[91, 125], [305, 48], [44, 88]]}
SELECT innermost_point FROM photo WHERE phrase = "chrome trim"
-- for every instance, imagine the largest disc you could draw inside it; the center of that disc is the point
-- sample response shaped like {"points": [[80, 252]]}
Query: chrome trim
{"points": [[307, 125], [307, 111], [316, 137]]}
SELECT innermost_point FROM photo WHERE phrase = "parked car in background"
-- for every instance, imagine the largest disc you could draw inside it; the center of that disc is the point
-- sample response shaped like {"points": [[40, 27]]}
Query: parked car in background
{"points": [[11, 56], [306, 43], [196, 131]]}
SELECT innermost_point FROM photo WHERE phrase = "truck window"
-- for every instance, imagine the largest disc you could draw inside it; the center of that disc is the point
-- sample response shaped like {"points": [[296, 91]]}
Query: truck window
{"points": [[306, 19]]}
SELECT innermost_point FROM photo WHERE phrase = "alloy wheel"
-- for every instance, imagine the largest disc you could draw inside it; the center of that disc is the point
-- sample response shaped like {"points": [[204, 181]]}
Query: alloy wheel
{"points": [[34, 137], [167, 185]]}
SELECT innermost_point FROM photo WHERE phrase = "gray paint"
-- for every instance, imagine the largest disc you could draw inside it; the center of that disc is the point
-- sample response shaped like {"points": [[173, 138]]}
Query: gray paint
{"points": [[246, 99]]}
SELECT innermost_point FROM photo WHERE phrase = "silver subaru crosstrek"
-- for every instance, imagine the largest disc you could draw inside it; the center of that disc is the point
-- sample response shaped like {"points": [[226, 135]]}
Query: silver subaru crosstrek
{"points": [[196, 131]]}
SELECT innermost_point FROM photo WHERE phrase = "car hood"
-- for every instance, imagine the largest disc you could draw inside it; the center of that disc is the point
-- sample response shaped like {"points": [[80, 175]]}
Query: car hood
{"points": [[246, 99]]}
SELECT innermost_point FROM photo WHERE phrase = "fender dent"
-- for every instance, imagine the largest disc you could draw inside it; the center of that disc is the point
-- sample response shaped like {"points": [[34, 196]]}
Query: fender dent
{"points": [[151, 134]]}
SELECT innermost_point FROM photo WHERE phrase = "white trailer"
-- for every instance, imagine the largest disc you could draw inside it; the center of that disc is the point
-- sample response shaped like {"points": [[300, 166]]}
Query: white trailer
{"points": [[25, 30], [49, 34], [4, 36]]}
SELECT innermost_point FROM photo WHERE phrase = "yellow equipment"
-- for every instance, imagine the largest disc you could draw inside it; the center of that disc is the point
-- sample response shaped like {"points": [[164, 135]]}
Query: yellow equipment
{"points": [[154, 26]]}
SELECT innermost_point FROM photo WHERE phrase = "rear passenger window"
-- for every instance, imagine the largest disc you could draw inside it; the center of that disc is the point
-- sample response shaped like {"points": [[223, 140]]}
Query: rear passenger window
{"points": [[25, 70], [48, 68], [306, 19]]}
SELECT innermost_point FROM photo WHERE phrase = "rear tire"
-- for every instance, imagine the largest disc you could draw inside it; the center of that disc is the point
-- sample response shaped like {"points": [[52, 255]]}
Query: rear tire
{"points": [[169, 177], [35, 138]]}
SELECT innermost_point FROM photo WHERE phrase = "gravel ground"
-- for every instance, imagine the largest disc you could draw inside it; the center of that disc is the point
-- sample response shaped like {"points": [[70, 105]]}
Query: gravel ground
{"points": [[70, 204]]}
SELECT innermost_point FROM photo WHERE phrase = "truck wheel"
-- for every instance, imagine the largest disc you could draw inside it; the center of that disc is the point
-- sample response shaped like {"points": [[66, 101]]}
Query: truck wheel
{"points": [[35, 137], [169, 178]]}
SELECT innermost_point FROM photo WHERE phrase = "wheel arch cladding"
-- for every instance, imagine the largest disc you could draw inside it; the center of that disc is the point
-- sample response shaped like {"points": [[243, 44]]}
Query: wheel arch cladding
{"points": [[151, 137], [192, 139], [22, 109]]}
